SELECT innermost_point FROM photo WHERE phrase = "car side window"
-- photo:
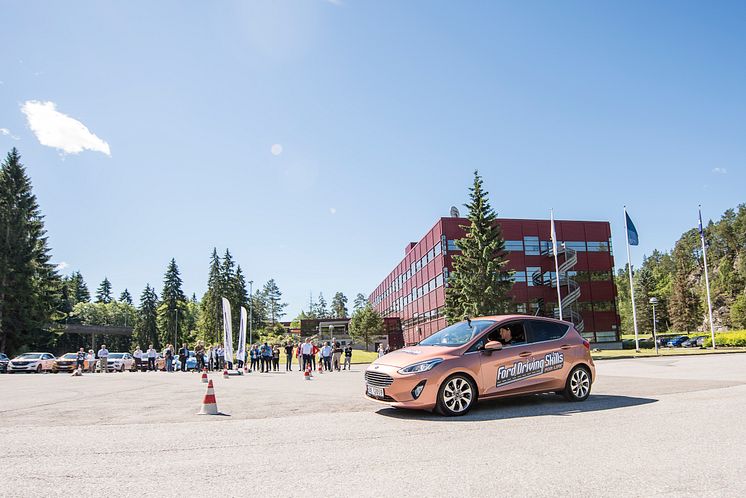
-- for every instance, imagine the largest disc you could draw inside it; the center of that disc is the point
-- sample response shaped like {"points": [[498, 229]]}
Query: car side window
{"points": [[517, 333], [540, 330]]}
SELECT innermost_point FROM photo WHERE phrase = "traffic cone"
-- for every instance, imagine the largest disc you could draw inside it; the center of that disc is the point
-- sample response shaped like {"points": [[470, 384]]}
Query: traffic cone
{"points": [[204, 376], [225, 373], [321, 369], [209, 405], [307, 374]]}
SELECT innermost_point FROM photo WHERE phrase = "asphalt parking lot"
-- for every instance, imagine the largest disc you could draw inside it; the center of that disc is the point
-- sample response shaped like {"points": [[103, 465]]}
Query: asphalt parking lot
{"points": [[657, 426]]}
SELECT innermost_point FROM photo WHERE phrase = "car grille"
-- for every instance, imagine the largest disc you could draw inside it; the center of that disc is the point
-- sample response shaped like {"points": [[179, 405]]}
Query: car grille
{"points": [[378, 379], [64, 363], [20, 363]]}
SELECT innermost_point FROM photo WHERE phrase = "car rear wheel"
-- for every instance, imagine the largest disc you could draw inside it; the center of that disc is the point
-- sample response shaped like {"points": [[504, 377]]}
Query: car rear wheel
{"points": [[578, 385], [456, 396]]}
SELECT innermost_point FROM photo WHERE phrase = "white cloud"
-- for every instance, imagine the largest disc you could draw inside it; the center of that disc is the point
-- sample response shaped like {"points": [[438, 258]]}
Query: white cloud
{"points": [[61, 266], [719, 171], [55, 129], [276, 149], [6, 132], [333, 210]]}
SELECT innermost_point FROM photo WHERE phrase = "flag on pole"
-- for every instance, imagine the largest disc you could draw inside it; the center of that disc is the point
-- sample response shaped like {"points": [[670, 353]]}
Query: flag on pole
{"points": [[631, 231], [241, 353], [553, 236], [227, 331]]}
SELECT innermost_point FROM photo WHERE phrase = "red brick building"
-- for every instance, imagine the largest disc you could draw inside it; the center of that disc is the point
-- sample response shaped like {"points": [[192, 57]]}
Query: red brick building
{"points": [[415, 290]]}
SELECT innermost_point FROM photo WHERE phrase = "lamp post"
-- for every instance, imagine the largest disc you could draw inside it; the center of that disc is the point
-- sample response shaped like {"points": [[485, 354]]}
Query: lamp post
{"points": [[176, 326], [251, 310], [331, 332], [653, 302]]}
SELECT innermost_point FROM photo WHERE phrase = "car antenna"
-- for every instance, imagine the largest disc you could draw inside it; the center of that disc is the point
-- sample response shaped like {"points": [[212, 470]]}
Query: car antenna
{"points": [[468, 320]]}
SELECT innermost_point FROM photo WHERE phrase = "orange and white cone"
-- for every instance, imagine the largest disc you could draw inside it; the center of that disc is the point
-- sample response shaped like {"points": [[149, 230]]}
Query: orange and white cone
{"points": [[209, 405], [225, 373], [321, 368], [307, 374], [204, 377]]}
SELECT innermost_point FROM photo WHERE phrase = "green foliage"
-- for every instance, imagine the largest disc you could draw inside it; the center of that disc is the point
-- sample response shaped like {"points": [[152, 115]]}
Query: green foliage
{"points": [[78, 289], [479, 283], [273, 301], [103, 293], [146, 326], [321, 311], [728, 339], [339, 305], [172, 310], [30, 289], [360, 302], [275, 334], [210, 319], [365, 325], [111, 314], [125, 297], [738, 311]]}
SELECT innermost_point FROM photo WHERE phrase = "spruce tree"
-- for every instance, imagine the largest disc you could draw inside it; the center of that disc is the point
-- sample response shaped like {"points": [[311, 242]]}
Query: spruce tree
{"points": [[146, 328], [479, 283], [79, 290], [360, 302], [322, 312], [103, 293], [172, 309], [211, 308], [30, 289], [339, 305], [125, 297]]}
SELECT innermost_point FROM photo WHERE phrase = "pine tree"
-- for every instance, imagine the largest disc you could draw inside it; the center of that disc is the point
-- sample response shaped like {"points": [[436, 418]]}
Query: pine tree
{"points": [[211, 308], [339, 305], [79, 290], [125, 297], [273, 297], [321, 311], [30, 289], [360, 302], [479, 283], [171, 311], [103, 293], [146, 328]]}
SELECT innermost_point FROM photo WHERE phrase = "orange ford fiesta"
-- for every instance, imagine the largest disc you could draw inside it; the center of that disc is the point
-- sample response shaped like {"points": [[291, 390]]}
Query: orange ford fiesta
{"points": [[487, 357]]}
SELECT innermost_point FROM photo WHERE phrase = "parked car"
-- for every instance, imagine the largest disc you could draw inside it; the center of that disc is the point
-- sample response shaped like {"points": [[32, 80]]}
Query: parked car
{"points": [[4, 362], [481, 358], [119, 362], [65, 363], [677, 341], [32, 362], [191, 363], [694, 342]]}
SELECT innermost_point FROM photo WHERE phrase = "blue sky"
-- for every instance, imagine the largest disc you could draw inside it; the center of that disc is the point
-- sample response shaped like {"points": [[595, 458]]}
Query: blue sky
{"points": [[382, 111]]}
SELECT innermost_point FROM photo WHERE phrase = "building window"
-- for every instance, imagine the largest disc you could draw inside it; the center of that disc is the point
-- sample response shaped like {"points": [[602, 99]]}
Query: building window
{"points": [[514, 245], [531, 245], [437, 249], [439, 280], [520, 308], [599, 276], [452, 246], [519, 276], [530, 271], [603, 306], [576, 245], [598, 246]]}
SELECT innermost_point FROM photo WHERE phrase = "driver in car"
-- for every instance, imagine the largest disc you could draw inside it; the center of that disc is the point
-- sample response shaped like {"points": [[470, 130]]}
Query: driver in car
{"points": [[506, 336]]}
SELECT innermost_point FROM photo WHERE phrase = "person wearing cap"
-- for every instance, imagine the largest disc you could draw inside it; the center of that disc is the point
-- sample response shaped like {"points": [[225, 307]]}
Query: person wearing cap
{"points": [[103, 358], [91, 359]]}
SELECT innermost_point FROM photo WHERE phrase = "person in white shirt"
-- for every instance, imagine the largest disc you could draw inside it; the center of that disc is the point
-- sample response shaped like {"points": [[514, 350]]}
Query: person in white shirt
{"points": [[137, 355], [326, 357], [103, 358], [152, 355], [381, 351], [307, 351], [91, 359]]}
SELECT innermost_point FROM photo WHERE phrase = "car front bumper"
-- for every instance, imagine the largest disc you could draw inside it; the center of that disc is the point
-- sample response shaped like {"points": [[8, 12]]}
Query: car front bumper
{"points": [[399, 392]]}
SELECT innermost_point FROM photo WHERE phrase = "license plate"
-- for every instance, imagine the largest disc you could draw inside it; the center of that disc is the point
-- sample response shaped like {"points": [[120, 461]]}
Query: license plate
{"points": [[375, 391]]}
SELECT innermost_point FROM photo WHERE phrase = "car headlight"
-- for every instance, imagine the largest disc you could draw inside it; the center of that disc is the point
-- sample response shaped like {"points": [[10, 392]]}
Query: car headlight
{"points": [[420, 367]]}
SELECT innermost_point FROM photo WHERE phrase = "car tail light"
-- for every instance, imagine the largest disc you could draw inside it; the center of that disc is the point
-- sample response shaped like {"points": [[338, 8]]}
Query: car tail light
{"points": [[587, 345]]}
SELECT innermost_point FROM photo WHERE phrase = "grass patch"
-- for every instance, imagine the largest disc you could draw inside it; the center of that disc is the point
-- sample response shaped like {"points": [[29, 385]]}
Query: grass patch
{"points": [[357, 357]]}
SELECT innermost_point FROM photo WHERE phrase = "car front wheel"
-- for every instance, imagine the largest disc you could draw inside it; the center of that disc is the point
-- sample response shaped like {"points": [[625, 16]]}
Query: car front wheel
{"points": [[456, 396], [38, 369], [578, 385]]}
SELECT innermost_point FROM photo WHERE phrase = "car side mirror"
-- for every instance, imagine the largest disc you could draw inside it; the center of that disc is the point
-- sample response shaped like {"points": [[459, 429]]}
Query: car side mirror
{"points": [[492, 346]]}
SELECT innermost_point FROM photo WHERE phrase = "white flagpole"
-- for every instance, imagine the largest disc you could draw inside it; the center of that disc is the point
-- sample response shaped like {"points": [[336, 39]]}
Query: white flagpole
{"points": [[707, 277], [631, 282], [556, 264]]}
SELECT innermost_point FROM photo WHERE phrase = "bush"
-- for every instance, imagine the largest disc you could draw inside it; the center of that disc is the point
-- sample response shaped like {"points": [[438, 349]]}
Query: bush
{"points": [[733, 339]]}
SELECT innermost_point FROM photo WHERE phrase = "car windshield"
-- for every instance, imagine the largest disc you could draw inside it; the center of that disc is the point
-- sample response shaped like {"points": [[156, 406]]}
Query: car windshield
{"points": [[30, 356], [69, 356], [457, 334], [116, 356]]}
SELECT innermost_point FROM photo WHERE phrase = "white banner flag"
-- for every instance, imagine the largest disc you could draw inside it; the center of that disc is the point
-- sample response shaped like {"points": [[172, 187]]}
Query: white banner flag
{"points": [[241, 353], [227, 331]]}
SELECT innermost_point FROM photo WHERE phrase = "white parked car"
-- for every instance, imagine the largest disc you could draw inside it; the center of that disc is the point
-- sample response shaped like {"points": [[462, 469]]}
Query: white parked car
{"points": [[32, 362], [119, 362]]}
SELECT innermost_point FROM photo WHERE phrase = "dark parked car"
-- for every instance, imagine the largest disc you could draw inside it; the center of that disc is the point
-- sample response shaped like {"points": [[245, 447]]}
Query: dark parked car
{"points": [[694, 342], [677, 341], [4, 363]]}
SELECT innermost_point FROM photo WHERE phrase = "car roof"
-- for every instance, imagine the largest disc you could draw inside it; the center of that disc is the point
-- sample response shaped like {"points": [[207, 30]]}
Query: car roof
{"points": [[501, 318]]}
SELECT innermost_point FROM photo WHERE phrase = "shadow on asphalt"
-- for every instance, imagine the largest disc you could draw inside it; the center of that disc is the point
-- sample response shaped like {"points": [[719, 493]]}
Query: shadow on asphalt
{"points": [[536, 405]]}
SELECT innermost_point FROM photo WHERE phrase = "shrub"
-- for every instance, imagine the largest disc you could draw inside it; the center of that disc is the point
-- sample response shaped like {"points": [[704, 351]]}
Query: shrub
{"points": [[734, 339]]}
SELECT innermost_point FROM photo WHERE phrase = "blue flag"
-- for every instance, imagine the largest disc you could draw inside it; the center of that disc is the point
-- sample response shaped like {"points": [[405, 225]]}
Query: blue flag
{"points": [[631, 231], [701, 232]]}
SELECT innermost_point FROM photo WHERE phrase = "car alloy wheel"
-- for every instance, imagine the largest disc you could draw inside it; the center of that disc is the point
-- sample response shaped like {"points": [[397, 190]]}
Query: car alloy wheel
{"points": [[38, 369], [456, 395], [578, 386]]}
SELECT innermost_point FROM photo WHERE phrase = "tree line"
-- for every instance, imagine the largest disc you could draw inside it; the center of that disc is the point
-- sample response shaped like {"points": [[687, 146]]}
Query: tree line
{"points": [[676, 279]]}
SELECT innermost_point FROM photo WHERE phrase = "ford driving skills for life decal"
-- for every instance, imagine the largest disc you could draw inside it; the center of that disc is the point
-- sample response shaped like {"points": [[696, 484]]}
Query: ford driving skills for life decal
{"points": [[529, 368]]}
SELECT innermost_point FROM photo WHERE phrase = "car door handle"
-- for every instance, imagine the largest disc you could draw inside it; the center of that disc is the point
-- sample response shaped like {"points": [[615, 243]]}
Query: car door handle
{"points": [[565, 346], [525, 353]]}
